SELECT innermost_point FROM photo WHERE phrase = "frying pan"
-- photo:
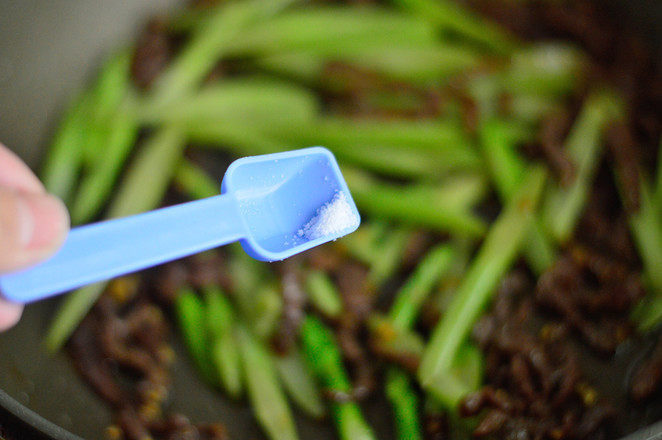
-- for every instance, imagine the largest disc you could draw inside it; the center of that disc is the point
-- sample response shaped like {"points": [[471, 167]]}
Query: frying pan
{"points": [[48, 49]]}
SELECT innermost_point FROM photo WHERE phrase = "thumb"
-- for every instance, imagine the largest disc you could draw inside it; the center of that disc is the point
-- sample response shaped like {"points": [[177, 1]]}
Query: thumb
{"points": [[32, 227]]}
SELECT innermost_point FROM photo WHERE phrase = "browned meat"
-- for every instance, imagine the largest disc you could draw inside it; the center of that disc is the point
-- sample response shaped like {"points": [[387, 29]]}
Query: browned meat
{"points": [[535, 387], [121, 350], [593, 294], [435, 427]]}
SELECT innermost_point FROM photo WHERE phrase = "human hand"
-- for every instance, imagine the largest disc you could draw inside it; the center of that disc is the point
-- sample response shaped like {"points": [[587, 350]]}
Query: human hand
{"points": [[33, 224]]}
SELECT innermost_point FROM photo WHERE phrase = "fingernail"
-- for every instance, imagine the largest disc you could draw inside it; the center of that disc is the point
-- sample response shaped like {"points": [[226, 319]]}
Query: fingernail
{"points": [[43, 220]]}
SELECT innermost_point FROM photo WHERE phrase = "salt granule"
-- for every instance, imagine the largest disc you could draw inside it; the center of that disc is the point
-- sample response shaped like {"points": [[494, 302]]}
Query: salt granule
{"points": [[332, 218]]}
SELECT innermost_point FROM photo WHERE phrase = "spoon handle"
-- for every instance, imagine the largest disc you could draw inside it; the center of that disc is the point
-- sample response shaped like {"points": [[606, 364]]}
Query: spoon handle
{"points": [[107, 249]]}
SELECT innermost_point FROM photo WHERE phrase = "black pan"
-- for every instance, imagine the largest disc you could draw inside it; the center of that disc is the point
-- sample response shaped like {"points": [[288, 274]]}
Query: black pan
{"points": [[48, 49]]}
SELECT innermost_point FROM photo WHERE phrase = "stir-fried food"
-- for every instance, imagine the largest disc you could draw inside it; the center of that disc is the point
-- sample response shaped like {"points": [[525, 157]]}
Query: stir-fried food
{"points": [[504, 157]]}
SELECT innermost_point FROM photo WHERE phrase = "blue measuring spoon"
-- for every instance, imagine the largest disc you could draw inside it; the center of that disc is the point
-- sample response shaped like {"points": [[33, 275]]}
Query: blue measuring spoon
{"points": [[265, 202]]}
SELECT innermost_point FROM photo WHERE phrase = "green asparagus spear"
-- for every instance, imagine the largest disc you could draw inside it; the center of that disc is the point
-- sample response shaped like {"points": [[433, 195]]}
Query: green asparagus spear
{"points": [[389, 254], [209, 42], [266, 395], [255, 101], [98, 183], [562, 206], [405, 402], [507, 167], [323, 294], [451, 17], [195, 182], [657, 192], [298, 381], [437, 207], [224, 351], [65, 155], [333, 31], [324, 358], [646, 227], [81, 134], [149, 175], [427, 149], [418, 63], [258, 299], [497, 253], [191, 316], [411, 296], [402, 316], [395, 340], [402, 149]]}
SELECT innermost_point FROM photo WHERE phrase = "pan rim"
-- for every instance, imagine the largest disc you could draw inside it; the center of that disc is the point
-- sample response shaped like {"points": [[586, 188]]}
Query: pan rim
{"points": [[29, 419]]}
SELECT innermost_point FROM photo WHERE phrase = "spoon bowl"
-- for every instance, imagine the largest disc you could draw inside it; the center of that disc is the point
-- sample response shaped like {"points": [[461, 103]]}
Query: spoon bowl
{"points": [[278, 194]]}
